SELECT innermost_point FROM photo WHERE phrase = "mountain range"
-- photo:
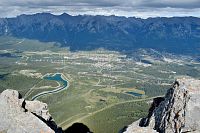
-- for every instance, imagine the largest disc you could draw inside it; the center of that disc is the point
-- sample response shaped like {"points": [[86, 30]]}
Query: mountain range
{"points": [[85, 32]]}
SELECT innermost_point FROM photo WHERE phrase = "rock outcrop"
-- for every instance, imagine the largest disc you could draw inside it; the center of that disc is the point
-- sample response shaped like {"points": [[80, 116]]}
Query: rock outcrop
{"points": [[177, 112], [20, 116]]}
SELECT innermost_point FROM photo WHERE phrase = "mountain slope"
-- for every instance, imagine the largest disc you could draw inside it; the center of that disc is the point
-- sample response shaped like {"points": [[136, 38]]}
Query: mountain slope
{"points": [[110, 32]]}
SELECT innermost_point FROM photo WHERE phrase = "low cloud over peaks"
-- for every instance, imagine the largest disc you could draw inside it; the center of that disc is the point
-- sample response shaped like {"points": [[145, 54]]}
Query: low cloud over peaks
{"points": [[138, 8]]}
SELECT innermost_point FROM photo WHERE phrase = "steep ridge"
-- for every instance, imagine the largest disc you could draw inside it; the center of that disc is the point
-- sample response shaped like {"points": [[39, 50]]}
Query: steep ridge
{"points": [[176, 34], [177, 112]]}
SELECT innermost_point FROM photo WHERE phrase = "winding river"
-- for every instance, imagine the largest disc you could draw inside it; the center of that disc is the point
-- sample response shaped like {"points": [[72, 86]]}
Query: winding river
{"points": [[56, 77]]}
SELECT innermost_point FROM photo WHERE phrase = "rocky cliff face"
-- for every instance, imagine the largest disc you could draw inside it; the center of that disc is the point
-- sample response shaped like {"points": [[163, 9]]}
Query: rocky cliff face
{"points": [[177, 112], [20, 116]]}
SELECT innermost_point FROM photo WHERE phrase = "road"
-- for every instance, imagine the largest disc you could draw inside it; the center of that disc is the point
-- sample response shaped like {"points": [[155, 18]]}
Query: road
{"points": [[95, 112], [52, 91]]}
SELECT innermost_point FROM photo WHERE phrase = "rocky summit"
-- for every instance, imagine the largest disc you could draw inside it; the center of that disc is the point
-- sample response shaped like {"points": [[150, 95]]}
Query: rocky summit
{"points": [[177, 112], [20, 116]]}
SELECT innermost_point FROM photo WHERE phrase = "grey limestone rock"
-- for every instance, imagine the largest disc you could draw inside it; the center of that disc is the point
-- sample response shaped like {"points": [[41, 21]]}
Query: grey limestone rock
{"points": [[177, 112], [20, 116]]}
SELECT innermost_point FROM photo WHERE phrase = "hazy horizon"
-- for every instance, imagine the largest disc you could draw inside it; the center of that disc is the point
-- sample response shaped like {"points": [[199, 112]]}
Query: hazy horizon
{"points": [[58, 14], [129, 8]]}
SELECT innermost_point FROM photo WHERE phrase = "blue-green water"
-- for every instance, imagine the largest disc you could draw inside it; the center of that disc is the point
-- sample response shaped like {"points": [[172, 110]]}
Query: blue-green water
{"points": [[134, 94], [2, 76], [57, 77], [9, 55], [146, 61]]}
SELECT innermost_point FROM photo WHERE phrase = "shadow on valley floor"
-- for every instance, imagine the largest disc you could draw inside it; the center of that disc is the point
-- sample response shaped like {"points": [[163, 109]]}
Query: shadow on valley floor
{"points": [[78, 128]]}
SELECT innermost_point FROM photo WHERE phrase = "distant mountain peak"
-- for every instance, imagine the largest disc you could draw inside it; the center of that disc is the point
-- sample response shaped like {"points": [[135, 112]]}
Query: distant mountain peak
{"points": [[86, 32], [65, 14]]}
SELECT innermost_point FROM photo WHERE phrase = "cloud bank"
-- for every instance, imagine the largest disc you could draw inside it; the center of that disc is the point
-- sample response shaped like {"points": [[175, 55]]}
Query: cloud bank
{"points": [[128, 8]]}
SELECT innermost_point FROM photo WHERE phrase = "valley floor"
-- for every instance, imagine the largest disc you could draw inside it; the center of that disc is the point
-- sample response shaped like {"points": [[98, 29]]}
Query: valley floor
{"points": [[105, 89]]}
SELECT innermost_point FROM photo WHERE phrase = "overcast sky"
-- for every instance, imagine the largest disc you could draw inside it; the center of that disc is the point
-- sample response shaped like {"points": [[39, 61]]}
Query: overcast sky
{"points": [[137, 8]]}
